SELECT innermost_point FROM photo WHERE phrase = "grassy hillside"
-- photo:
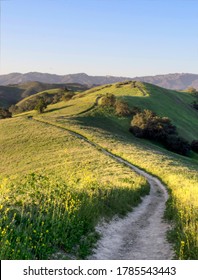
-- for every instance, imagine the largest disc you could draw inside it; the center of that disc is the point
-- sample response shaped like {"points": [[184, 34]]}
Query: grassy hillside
{"points": [[168, 103], [9, 95], [111, 132], [12, 94], [56, 207], [90, 182]]}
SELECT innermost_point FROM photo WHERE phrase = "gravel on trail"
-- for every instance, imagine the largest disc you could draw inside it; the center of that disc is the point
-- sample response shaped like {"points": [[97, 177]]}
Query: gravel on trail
{"points": [[141, 235]]}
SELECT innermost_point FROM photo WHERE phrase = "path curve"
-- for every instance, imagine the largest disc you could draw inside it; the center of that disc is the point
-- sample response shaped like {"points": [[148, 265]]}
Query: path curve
{"points": [[142, 233]]}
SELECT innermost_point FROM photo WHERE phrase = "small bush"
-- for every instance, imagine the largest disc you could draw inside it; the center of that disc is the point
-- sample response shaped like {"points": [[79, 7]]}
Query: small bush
{"points": [[67, 96], [191, 90], [4, 113], [13, 109], [150, 126], [108, 100], [122, 108], [40, 106]]}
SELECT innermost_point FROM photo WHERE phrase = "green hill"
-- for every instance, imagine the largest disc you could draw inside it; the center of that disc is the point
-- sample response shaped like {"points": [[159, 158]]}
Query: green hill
{"points": [[12, 94], [173, 104], [166, 103], [74, 184]]}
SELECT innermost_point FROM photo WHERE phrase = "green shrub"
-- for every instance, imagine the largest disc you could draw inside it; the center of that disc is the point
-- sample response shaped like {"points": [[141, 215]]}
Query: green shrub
{"points": [[148, 125], [67, 96], [108, 100], [122, 108], [41, 105], [191, 90]]}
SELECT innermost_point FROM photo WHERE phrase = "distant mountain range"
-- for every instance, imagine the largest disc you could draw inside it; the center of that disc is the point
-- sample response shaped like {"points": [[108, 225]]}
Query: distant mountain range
{"points": [[170, 81]]}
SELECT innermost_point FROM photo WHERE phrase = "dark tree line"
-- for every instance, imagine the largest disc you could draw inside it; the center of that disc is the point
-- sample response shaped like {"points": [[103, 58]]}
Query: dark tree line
{"points": [[148, 125]]}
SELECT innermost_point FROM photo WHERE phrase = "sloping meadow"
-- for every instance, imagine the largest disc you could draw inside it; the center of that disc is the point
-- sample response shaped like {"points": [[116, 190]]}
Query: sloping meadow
{"points": [[179, 173], [54, 189]]}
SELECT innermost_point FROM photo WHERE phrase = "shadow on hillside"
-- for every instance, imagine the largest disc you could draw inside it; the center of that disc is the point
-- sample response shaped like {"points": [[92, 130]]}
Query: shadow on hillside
{"points": [[59, 108], [108, 128], [105, 126]]}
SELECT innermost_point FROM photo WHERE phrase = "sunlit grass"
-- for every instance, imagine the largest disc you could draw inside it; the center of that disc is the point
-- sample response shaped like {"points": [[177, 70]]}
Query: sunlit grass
{"points": [[73, 185], [177, 172]]}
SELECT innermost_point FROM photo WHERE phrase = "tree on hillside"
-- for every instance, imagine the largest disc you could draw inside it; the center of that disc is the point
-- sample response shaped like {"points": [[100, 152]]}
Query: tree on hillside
{"points": [[122, 108], [4, 113], [40, 106], [191, 90], [108, 100], [13, 109], [67, 95], [148, 125]]}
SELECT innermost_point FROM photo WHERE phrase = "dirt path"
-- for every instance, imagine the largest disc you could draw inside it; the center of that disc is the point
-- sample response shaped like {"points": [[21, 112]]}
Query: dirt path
{"points": [[85, 111], [142, 234]]}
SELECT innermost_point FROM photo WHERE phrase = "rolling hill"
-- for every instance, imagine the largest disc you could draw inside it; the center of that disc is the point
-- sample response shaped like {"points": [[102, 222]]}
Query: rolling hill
{"points": [[164, 102], [12, 94], [73, 182]]}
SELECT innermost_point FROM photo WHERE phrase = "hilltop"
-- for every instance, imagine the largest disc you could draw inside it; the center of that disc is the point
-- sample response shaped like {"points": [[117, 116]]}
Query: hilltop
{"points": [[177, 81]]}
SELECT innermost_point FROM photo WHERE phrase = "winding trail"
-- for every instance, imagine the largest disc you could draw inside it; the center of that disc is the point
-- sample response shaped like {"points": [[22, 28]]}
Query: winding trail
{"points": [[95, 104], [142, 233]]}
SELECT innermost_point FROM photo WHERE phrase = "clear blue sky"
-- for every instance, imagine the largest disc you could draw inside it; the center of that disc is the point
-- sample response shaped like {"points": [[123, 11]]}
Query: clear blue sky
{"points": [[99, 37]]}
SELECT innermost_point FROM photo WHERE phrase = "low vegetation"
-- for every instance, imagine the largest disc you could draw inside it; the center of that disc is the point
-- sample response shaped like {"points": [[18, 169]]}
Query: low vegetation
{"points": [[57, 206], [148, 125], [177, 172], [41, 105], [39, 100], [41, 215]]}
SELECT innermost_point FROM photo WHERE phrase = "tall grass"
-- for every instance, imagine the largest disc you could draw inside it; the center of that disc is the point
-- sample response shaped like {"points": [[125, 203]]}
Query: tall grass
{"points": [[56, 208], [177, 172], [42, 215]]}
